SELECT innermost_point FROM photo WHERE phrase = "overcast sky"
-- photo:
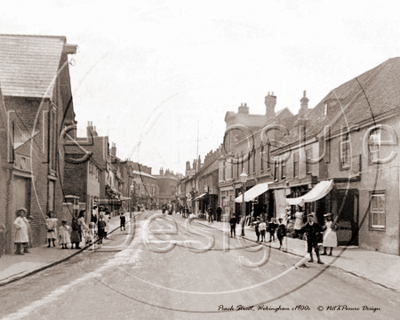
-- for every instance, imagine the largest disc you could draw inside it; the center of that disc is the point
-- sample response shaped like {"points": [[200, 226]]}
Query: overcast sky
{"points": [[149, 73]]}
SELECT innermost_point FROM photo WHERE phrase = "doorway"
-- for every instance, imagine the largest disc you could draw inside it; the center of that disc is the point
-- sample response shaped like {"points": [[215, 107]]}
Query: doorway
{"points": [[347, 209]]}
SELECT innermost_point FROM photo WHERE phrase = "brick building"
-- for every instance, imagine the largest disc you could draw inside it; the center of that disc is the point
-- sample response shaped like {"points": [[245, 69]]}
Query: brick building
{"points": [[36, 106]]}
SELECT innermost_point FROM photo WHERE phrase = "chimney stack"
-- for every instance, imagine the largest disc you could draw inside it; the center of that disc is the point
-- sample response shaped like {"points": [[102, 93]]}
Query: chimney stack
{"points": [[161, 171], [187, 165], [270, 103], [243, 109], [304, 105], [114, 150]]}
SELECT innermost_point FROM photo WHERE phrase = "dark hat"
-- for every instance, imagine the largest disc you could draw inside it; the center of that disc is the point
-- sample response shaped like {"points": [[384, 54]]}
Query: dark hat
{"points": [[64, 221], [94, 207], [328, 215]]}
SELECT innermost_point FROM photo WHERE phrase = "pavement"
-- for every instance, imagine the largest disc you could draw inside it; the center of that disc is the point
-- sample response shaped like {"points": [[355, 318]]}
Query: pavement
{"points": [[14, 267], [380, 268]]}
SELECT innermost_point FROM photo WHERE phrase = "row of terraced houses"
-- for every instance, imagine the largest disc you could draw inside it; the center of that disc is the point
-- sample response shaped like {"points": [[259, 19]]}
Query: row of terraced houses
{"points": [[341, 156], [44, 166]]}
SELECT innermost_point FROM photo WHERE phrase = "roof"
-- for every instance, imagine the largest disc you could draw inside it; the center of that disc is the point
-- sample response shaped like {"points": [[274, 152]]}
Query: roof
{"points": [[347, 104], [144, 174], [29, 64]]}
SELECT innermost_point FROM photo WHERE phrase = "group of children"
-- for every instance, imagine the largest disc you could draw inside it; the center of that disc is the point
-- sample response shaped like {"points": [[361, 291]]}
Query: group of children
{"points": [[261, 227], [74, 234]]}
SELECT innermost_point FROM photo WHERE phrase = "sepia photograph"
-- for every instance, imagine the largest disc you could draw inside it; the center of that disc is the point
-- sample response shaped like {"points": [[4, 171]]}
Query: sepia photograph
{"points": [[171, 159]]}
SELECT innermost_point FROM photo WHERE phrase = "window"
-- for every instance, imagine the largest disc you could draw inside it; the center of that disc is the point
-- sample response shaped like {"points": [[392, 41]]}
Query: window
{"points": [[262, 158], [223, 171], [283, 169], [51, 195], [377, 212], [345, 153], [295, 164], [308, 161], [276, 169], [374, 145]]}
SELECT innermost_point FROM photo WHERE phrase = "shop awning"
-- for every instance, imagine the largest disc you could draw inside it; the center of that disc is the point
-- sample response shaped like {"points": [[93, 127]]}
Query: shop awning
{"points": [[254, 192], [199, 197], [318, 192], [124, 198]]}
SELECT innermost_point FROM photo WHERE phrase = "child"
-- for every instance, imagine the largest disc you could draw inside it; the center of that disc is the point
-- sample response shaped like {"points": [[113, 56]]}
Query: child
{"points": [[51, 225], [281, 232], [122, 221], [272, 228], [21, 233], [263, 228], [64, 236]]}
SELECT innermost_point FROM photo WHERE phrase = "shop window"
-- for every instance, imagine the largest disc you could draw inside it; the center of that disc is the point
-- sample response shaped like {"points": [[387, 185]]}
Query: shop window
{"points": [[283, 169], [345, 154], [295, 164], [378, 210]]}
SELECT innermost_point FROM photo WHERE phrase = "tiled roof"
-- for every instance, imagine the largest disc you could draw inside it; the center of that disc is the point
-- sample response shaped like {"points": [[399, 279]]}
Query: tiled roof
{"points": [[380, 94], [29, 64], [347, 104]]}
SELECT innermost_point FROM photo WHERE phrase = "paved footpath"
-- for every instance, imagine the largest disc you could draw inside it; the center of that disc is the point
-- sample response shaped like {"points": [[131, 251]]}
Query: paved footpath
{"points": [[380, 268], [14, 267]]}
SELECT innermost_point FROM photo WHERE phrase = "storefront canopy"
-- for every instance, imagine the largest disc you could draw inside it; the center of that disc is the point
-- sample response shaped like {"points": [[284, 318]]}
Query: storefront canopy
{"points": [[201, 196], [318, 192], [254, 192]]}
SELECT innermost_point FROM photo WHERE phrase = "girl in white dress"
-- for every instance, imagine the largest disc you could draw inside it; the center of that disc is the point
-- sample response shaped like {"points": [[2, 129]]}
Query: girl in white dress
{"points": [[64, 236], [330, 237]]}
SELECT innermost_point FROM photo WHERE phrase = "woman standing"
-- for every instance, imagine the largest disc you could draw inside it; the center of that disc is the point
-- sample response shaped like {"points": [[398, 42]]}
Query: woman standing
{"points": [[75, 233], [330, 237], [21, 234], [51, 226], [83, 225], [298, 225]]}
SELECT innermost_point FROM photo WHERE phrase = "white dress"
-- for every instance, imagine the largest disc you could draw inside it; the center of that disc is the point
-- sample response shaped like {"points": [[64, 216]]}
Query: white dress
{"points": [[21, 234], [330, 237], [299, 220], [63, 232]]}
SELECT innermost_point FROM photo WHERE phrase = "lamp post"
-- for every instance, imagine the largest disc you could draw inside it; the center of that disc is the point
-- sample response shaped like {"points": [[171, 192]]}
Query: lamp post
{"points": [[243, 179]]}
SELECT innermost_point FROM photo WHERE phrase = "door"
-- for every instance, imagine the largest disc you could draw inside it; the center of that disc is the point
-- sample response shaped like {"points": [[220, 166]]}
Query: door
{"points": [[21, 199], [348, 217]]}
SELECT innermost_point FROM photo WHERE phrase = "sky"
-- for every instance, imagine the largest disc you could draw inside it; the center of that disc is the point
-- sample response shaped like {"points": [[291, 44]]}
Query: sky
{"points": [[158, 77]]}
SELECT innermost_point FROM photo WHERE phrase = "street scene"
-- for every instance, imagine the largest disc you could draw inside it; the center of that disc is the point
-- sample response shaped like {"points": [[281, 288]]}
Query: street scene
{"points": [[136, 184]]}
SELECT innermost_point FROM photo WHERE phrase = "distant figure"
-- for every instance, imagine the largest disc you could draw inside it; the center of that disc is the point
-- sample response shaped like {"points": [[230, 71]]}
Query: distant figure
{"points": [[232, 223], [101, 225], [262, 227], [257, 229], [94, 216], [63, 233], [219, 213], [281, 232], [51, 226], [75, 233], [210, 215], [122, 221], [272, 228]]}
